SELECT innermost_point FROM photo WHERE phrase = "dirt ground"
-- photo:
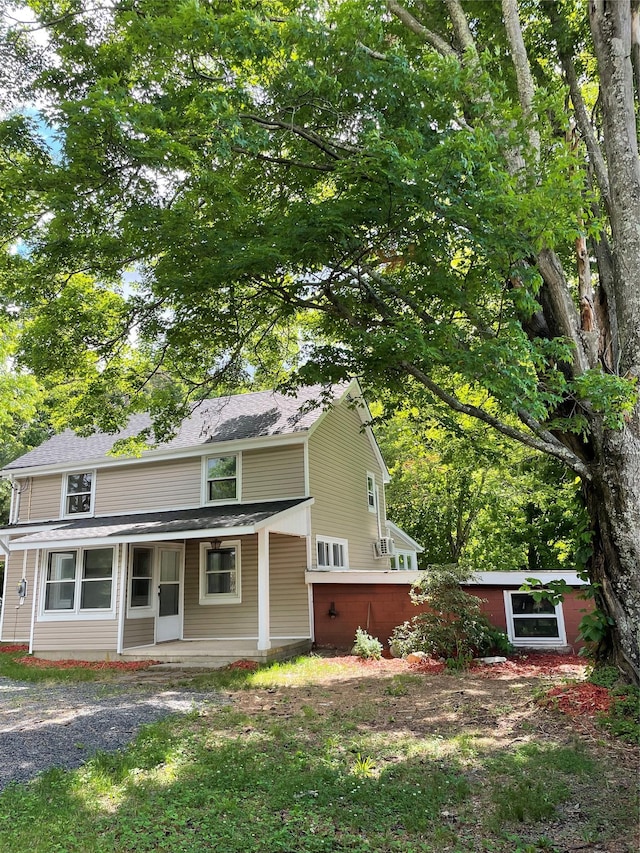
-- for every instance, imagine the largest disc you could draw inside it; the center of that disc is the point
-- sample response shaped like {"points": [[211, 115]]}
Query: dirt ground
{"points": [[497, 710]]}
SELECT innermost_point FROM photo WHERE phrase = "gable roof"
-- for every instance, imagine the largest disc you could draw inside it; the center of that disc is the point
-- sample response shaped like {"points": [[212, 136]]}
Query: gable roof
{"points": [[231, 418]]}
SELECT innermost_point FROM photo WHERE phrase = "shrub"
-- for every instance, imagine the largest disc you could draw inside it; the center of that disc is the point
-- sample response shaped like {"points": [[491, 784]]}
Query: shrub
{"points": [[366, 646], [453, 627]]}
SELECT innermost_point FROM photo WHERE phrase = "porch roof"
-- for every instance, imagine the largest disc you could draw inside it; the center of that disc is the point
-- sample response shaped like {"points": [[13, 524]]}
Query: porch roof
{"points": [[286, 516]]}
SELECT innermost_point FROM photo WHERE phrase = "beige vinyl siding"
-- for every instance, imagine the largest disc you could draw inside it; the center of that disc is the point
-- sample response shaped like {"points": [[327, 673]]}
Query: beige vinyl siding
{"points": [[16, 624], [272, 473], [148, 486], [139, 632], [40, 498], [89, 635], [219, 621], [340, 455], [289, 600]]}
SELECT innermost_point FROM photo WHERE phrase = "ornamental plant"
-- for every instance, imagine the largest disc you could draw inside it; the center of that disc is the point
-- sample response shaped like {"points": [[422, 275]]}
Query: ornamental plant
{"points": [[453, 626]]}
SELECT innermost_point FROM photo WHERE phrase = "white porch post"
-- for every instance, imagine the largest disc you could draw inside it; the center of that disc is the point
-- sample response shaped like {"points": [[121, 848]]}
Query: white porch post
{"points": [[264, 619], [120, 572]]}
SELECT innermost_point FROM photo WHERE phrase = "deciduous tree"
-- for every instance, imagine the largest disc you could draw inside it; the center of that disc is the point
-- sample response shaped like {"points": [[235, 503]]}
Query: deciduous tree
{"points": [[447, 191]]}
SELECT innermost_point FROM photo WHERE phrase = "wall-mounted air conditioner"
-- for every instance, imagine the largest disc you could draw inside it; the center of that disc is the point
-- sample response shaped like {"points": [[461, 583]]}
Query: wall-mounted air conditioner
{"points": [[384, 547]]}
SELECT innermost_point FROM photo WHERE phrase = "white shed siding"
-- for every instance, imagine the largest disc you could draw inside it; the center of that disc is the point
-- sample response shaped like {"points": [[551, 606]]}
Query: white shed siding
{"points": [[340, 455]]}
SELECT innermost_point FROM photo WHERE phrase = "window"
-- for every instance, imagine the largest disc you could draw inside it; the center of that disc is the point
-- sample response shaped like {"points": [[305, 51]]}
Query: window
{"points": [[141, 579], [533, 623], [403, 561], [71, 591], [61, 581], [331, 553], [220, 573], [221, 478], [78, 493], [372, 502]]}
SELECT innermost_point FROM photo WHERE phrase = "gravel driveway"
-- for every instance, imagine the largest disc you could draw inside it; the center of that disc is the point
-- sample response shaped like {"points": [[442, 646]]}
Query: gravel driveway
{"points": [[62, 725]]}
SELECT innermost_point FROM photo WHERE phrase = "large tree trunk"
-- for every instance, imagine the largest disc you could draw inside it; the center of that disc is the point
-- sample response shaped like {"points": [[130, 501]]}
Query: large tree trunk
{"points": [[613, 500], [613, 495]]}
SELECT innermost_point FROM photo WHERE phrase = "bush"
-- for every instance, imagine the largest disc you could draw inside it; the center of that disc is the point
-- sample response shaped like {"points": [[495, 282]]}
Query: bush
{"points": [[453, 627], [366, 646]]}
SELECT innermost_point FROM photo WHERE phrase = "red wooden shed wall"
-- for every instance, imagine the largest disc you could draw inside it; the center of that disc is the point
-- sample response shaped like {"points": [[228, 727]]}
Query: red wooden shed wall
{"points": [[378, 608]]}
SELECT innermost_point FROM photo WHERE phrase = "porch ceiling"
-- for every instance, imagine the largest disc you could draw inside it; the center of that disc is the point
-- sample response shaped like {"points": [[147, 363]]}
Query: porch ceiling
{"points": [[226, 520]]}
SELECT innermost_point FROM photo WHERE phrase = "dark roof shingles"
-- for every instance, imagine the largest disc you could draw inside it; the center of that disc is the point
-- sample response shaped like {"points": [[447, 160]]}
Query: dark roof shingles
{"points": [[243, 416]]}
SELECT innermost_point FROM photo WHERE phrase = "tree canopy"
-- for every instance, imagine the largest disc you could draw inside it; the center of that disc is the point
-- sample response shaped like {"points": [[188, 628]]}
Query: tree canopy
{"points": [[430, 195]]}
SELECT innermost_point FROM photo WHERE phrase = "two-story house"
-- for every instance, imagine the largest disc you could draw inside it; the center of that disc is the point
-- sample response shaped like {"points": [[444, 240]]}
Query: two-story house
{"points": [[209, 546]]}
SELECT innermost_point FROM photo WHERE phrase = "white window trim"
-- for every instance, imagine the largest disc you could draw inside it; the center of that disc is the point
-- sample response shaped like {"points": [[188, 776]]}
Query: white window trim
{"points": [[533, 642], [372, 493], [77, 614], [204, 496], [63, 497], [149, 610], [219, 597], [332, 540], [406, 553]]}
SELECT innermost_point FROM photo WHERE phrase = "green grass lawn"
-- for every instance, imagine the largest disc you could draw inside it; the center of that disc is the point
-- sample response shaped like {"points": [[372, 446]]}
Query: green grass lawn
{"points": [[319, 755]]}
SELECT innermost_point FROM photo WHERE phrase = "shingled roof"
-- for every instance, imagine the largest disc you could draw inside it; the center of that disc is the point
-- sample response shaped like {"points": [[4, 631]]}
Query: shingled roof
{"points": [[231, 418]]}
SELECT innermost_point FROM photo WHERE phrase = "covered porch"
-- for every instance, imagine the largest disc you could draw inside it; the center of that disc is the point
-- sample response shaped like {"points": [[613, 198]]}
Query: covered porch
{"points": [[205, 586]]}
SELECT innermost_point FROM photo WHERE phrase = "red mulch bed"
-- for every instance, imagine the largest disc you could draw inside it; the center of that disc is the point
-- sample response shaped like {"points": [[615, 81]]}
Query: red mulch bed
{"points": [[534, 665], [14, 647], [577, 700], [249, 665], [125, 666]]}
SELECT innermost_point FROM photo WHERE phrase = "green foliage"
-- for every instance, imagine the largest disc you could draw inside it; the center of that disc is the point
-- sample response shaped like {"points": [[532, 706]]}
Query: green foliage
{"points": [[623, 718], [366, 646], [468, 495], [453, 626]]}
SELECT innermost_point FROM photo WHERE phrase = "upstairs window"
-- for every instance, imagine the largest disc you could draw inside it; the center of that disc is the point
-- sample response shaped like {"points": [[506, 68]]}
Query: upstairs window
{"points": [[221, 478], [372, 501], [78, 496], [331, 553]]}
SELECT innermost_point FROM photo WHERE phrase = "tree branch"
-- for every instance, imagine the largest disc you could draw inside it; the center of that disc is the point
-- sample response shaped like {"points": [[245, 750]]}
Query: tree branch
{"points": [[283, 161], [461, 26], [411, 23], [329, 147], [526, 87], [541, 439]]}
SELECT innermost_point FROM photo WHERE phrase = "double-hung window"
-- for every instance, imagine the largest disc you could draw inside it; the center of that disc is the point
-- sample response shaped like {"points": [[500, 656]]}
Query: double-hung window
{"points": [[79, 581], [78, 493], [141, 580], [331, 553], [221, 478], [533, 623], [220, 573], [372, 498]]}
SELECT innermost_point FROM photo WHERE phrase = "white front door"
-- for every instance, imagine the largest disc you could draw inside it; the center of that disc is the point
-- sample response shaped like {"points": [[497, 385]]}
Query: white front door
{"points": [[169, 594]]}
